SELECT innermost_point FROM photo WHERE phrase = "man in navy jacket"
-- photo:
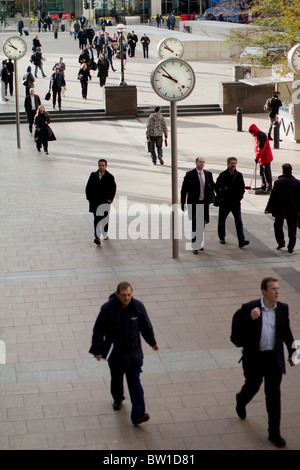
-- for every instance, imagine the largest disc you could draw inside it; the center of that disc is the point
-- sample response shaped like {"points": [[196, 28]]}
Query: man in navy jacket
{"points": [[100, 192], [116, 337]]}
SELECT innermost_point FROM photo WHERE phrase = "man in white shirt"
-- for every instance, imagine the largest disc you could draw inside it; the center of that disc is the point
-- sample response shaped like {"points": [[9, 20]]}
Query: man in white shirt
{"points": [[197, 189], [263, 325]]}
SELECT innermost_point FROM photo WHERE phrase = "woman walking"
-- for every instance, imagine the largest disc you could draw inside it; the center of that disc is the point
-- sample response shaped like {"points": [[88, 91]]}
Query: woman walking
{"points": [[28, 80], [43, 132], [84, 76]]}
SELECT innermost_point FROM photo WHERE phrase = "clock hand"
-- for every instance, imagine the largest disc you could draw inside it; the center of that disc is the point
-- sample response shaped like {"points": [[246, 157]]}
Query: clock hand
{"points": [[169, 49], [11, 45], [170, 78]]}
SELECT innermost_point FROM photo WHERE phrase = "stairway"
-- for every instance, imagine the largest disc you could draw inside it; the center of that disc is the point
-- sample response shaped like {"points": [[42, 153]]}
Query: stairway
{"points": [[99, 114]]}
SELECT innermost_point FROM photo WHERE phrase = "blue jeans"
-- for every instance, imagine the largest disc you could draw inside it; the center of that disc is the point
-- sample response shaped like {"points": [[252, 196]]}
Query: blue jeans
{"points": [[136, 391], [39, 66]]}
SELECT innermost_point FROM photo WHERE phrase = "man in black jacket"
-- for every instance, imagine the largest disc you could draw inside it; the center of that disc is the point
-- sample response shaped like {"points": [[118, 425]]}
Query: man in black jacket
{"points": [[197, 189], [275, 104], [284, 203], [116, 338], [230, 188], [31, 104], [100, 192], [264, 326], [145, 41], [57, 83]]}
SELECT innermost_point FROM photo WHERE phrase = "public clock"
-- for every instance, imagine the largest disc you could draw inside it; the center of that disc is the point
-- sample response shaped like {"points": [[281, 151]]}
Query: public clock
{"points": [[173, 79], [14, 47], [294, 59], [170, 47]]}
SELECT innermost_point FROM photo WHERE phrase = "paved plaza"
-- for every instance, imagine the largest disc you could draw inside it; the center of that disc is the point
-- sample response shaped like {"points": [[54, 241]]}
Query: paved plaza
{"points": [[53, 280]]}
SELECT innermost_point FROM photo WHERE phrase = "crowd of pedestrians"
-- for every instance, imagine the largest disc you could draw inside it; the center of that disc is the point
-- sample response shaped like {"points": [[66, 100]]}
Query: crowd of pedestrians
{"points": [[198, 190]]}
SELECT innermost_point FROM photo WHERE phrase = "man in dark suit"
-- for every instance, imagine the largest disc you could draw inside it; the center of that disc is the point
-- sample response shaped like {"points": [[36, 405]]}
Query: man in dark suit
{"points": [[264, 325], [31, 104], [197, 189], [284, 203], [100, 192], [230, 188]]}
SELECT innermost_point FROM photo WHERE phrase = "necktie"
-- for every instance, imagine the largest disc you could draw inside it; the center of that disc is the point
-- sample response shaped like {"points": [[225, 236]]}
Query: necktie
{"points": [[201, 179]]}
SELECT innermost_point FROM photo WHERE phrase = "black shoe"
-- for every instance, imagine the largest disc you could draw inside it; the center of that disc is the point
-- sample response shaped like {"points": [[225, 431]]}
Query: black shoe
{"points": [[270, 138], [160, 160], [141, 419], [240, 409], [97, 241], [154, 163], [201, 249], [280, 246], [244, 243], [195, 252], [277, 440], [222, 241], [290, 250], [117, 405]]}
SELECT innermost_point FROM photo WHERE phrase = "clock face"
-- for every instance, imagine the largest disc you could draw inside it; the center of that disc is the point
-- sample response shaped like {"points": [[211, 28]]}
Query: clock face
{"points": [[170, 47], [173, 79], [14, 47], [294, 58]]}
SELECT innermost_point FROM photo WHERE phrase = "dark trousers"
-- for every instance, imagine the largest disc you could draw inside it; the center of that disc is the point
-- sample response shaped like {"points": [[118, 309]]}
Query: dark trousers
{"points": [[156, 141], [84, 88], [56, 92], [30, 118], [266, 175], [102, 80], [198, 226], [42, 142], [223, 214], [101, 218], [292, 231], [145, 51], [257, 367], [135, 388]]}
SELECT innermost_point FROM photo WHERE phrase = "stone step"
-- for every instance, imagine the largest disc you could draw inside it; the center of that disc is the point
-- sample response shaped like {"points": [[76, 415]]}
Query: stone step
{"points": [[99, 114]]}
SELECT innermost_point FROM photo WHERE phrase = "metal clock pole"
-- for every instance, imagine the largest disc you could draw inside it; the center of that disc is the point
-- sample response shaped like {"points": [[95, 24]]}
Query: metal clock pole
{"points": [[174, 167], [17, 104]]}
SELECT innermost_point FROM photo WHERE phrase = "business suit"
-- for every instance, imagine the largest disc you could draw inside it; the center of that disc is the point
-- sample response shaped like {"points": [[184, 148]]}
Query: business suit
{"points": [[268, 364], [190, 193], [99, 192], [30, 111], [284, 203]]}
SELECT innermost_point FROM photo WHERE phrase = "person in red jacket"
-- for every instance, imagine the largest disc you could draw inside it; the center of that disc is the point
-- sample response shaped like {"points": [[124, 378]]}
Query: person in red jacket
{"points": [[263, 156]]}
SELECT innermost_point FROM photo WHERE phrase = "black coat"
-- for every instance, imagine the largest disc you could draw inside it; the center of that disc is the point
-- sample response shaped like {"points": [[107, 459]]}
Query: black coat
{"points": [[251, 331], [190, 192], [28, 105], [100, 191], [41, 127], [122, 327], [103, 66], [284, 199], [230, 188]]}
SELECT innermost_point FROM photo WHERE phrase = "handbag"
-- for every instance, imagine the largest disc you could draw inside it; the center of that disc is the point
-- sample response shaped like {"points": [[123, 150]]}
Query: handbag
{"points": [[48, 96], [25, 82], [50, 134], [118, 55]]}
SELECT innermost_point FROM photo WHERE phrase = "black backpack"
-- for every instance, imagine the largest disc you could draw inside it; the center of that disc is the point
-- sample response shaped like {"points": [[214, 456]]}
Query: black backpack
{"points": [[237, 336], [33, 58]]}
